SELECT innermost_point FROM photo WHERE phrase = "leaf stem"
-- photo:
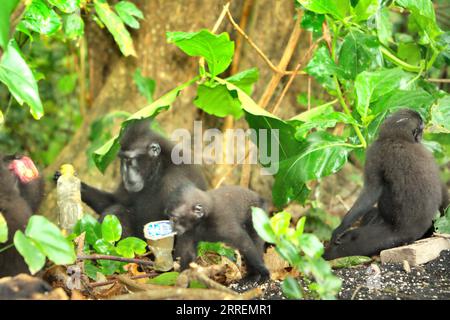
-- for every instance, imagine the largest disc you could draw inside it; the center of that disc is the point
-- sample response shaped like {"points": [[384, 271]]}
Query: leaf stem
{"points": [[347, 111], [6, 247], [390, 56]]}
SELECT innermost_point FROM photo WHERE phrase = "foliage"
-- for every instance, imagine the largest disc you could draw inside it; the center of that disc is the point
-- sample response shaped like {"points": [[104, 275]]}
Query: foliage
{"points": [[42, 239], [215, 247], [302, 250], [442, 224], [40, 33], [105, 238]]}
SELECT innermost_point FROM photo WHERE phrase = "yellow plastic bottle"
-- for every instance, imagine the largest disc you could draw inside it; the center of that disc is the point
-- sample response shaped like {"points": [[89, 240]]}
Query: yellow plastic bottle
{"points": [[68, 190]]}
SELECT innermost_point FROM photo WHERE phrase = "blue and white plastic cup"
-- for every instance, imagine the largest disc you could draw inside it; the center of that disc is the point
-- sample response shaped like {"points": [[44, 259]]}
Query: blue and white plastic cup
{"points": [[160, 239]]}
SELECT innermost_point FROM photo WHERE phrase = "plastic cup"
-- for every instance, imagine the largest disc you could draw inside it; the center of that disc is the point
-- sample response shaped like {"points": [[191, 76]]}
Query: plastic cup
{"points": [[160, 239]]}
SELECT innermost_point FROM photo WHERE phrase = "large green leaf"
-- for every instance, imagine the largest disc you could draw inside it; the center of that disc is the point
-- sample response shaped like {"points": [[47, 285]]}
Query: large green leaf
{"points": [[49, 239], [32, 254], [322, 155], [422, 15], [313, 22], [67, 6], [261, 223], [17, 76], [165, 279], [310, 245], [280, 223], [364, 9], [131, 246], [217, 100], [127, 11], [369, 86], [104, 155], [359, 52], [40, 18], [323, 68], [3, 229], [337, 8], [217, 247], [111, 228], [217, 50], [115, 26], [384, 26], [8, 7]]}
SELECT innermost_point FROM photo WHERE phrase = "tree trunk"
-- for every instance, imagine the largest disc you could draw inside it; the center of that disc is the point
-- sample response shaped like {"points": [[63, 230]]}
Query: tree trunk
{"points": [[112, 87]]}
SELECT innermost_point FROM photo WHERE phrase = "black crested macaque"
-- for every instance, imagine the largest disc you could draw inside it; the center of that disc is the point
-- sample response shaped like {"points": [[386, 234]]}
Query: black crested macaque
{"points": [[21, 192], [149, 177], [219, 215], [401, 177]]}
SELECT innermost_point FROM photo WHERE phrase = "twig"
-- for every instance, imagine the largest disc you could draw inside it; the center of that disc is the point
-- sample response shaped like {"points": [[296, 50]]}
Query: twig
{"points": [[180, 294], [438, 80], [292, 77], [202, 274], [114, 279], [257, 49], [114, 258]]}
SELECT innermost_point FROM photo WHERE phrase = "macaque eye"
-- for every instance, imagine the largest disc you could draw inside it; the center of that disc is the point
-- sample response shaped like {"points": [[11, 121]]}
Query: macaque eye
{"points": [[155, 149]]}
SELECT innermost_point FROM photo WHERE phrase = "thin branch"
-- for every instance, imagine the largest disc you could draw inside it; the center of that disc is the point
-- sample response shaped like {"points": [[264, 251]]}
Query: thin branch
{"points": [[257, 49], [114, 279], [291, 78], [114, 258], [438, 80]]}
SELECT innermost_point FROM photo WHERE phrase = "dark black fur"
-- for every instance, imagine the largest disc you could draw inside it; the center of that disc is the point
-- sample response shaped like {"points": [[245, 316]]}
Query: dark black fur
{"points": [[18, 201], [160, 178], [223, 215], [402, 179]]}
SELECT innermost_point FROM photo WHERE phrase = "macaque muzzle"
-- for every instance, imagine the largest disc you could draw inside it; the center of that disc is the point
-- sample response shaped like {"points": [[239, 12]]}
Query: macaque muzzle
{"points": [[24, 169]]}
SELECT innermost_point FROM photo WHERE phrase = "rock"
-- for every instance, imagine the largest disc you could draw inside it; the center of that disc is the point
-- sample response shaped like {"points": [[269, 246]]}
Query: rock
{"points": [[419, 252]]}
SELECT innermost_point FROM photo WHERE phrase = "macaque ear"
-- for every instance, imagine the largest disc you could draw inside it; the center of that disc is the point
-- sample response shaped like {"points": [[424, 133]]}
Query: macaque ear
{"points": [[198, 210], [154, 149]]}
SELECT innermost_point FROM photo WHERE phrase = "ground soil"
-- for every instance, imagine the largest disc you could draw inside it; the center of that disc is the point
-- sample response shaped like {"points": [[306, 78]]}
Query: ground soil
{"points": [[430, 281]]}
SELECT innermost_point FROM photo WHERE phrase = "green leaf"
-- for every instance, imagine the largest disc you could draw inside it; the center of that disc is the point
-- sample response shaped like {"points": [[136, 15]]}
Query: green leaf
{"points": [[91, 270], [310, 245], [409, 52], [419, 100], [66, 6], [291, 288], [288, 252], [91, 226], [313, 22], [262, 225], [49, 239], [131, 246], [245, 79], [217, 50], [217, 100], [3, 229], [104, 155], [108, 267], [337, 8], [32, 254], [165, 279], [216, 247], [17, 76], [348, 262], [300, 226], [322, 155], [422, 15], [280, 223], [197, 284], [145, 85], [323, 68], [116, 27], [8, 7], [40, 18], [111, 228], [127, 11], [104, 247], [384, 26], [359, 52], [73, 26], [365, 9], [440, 115], [369, 86]]}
